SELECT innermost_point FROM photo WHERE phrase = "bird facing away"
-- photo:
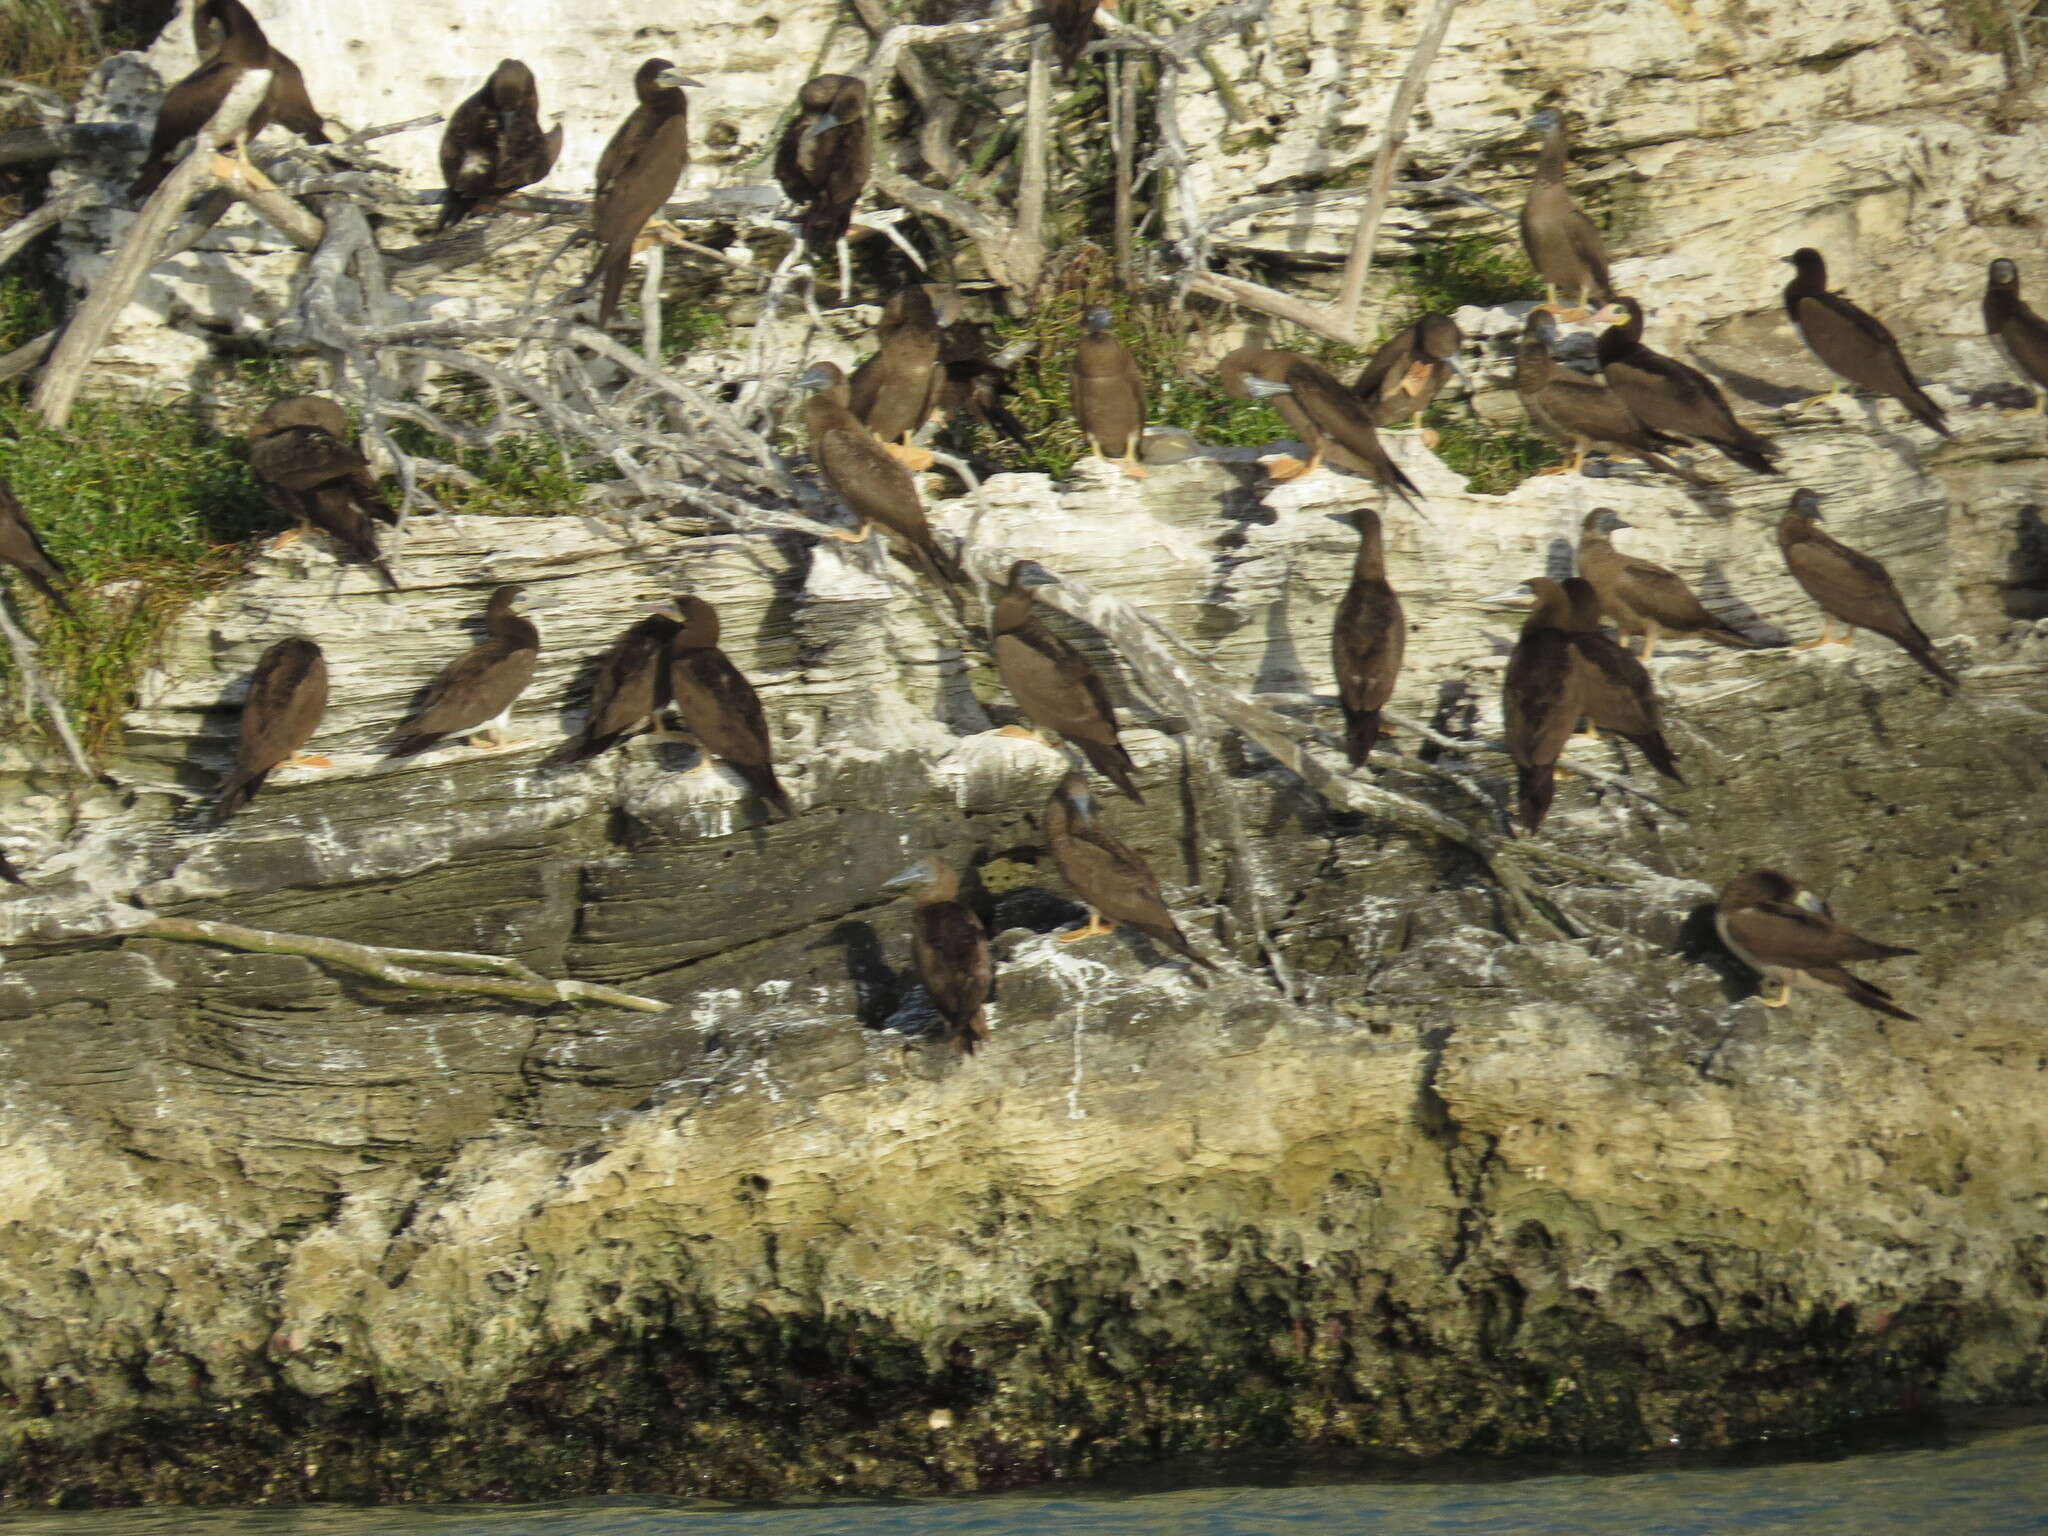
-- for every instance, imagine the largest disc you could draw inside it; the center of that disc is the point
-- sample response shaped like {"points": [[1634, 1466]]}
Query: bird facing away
{"points": [[494, 143], [1615, 692], [22, 547], [1669, 396], [1642, 597], [1583, 415], [1406, 373], [1853, 343], [1540, 700], [2014, 328], [950, 949], [474, 694], [1115, 881], [629, 691], [1787, 935], [1850, 586], [300, 453], [1053, 683], [1109, 393], [287, 697], [825, 156], [719, 707], [1327, 417], [895, 391], [637, 173], [190, 104], [1367, 642], [1073, 24], [1564, 245]]}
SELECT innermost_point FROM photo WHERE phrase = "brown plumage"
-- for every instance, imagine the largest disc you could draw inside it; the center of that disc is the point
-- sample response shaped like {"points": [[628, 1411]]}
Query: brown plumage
{"points": [[1642, 597], [630, 689], [1669, 396], [975, 382], [9, 873], [637, 174], [494, 143], [2014, 328], [1614, 689], [475, 692], [1852, 342], [1112, 878], [1540, 700], [825, 156], [1053, 683], [1406, 374], [1073, 26], [1369, 639], [300, 453], [895, 391], [1851, 586], [950, 949], [1328, 418], [1108, 393], [287, 697], [1787, 935], [1564, 245], [190, 104], [719, 707], [22, 547], [1583, 415]]}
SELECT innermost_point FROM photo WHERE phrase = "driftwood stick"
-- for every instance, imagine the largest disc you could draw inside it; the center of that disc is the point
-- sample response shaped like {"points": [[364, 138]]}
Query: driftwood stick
{"points": [[19, 235], [1027, 242], [37, 690], [284, 214], [26, 357], [54, 141], [650, 303], [940, 109], [1268, 301]]}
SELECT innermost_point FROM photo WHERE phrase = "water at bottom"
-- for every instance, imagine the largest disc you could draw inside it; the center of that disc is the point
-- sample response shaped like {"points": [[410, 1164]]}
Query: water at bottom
{"points": [[1985, 1482]]}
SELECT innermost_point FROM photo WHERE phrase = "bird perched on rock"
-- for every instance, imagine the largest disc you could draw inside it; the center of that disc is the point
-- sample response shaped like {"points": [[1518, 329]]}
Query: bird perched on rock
{"points": [[494, 143], [949, 946], [190, 104], [825, 156], [1406, 373], [300, 453], [1564, 245], [1787, 935], [719, 706], [1108, 393], [22, 548], [895, 391], [1327, 417], [1540, 699], [287, 696], [1615, 691], [1642, 597], [1849, 585], [630, 689], [474, 694], [1115, 881], [637, 174], [1852, 342], [1581, 414], [1368, 641], [2014, 328], [1669, 396], [1052, 682]]}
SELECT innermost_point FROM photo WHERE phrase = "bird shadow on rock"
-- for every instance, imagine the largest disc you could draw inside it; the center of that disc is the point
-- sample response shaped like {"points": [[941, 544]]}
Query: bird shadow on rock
{"points": [[878, 989], [2024, 593], [209, 753], [572, 705], [2005, 396], [1737, 613], [1756, 391], [1280, 669], [1456, 715], [1699, 943]]}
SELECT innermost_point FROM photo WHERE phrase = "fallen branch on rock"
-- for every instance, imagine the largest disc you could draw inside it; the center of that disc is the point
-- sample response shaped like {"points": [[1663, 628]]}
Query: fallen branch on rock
{"points": [[36, 690]]}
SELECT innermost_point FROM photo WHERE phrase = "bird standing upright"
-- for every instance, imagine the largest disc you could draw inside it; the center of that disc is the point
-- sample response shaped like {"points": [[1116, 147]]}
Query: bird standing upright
{"points": [[287, 696], [637, 174], [1854, 344], [720, 707], [1368, 641], [474, 694], [1108, 393], [1669, 396], [825, 156], [2020, 335], [1564, 246], [895, 391], [1540, 701], [1052, 682], [949, 947], [300, 453]]}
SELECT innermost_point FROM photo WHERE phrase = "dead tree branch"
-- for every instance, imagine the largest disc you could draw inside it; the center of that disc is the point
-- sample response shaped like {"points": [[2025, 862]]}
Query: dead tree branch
{"points": [[23, 232], [36, 690], [58, 141]]}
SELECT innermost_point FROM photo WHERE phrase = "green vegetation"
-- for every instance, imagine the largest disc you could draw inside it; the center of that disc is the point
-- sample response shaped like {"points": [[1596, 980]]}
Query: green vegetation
{"points": [[1493, 460], [1472, 269], [686, 327], [26, 311], [55, 45]]}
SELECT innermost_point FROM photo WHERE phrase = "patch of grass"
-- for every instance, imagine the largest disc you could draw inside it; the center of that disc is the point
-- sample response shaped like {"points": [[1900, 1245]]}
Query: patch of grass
{"points": [[1473, 269], [48, 43], [686, 327], [524, 475], [27, 309], [1493, 460]]}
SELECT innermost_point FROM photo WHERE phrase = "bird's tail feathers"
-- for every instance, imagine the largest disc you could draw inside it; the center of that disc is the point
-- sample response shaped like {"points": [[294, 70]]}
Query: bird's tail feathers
{"points": [[1657, 752], [1534, 789], [1115, 765], [1868, 993], [1361, 734], [239, 790]]}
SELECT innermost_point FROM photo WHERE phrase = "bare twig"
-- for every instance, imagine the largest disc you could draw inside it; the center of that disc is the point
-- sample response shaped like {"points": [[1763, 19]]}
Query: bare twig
{"points": [[941, 110], [36, 689], [23, 232]]}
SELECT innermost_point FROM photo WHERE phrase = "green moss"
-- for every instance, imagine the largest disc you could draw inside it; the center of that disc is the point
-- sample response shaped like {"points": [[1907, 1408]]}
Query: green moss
{"points": [[55, 45], [686, 327], [1493, 460], [1474, 269]]}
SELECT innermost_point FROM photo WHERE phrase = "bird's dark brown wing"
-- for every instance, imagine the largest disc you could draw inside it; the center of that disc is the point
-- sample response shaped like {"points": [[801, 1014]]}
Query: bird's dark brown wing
{"points": [[471, 690], [877, 487], [300, 458], [1661, 595], [22, 548], [1054, 684], [1386, 367], [630, 686], [1783, 933], [1367, 645], [631, 190], [1340, 416], [950, 948], [1855, 344], [1616, 694], [847, 158], [2025, 337], [1117, 882], [1848, 583], [1539, 701], [790, 172], [721, 708], [287, 697], [1073, 23], [187, 107]]}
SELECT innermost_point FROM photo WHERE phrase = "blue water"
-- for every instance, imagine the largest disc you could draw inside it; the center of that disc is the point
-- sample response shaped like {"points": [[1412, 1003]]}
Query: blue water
{"points": [[1981, 1483]]}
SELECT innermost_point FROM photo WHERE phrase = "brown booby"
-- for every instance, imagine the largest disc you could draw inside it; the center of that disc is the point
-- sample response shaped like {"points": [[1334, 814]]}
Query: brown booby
{"points": [[8, 872], [1108, 393], [825, 156], [22, 548], [1368, 641], [1850, 586], [1540, 701], [630, 690], [287, 697], [1327, 417], [1581, 414], [872, 482], [976, 382], [1669, 396], [719, 707], [1052, 682], [1852, 342], [1564, 245], [895, 391], [2014, 328], [1073, 25], [638, 172], [1113, 879], [474, 694], [1641, 596], [190, 104], [300, 453], [950, 949], [1614, 689], [494, 143], [1787, 935], [1406, 373]]}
